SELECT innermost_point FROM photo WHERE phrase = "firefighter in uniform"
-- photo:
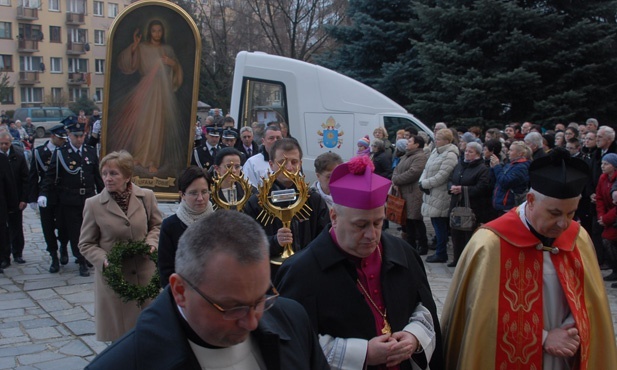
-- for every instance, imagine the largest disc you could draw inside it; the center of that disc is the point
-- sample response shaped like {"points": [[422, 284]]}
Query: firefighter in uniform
{"points": [[74, 174], [50, 215]]}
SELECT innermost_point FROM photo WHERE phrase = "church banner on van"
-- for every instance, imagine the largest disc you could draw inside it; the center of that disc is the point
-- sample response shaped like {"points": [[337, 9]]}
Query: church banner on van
{"points": [[151, 86]]}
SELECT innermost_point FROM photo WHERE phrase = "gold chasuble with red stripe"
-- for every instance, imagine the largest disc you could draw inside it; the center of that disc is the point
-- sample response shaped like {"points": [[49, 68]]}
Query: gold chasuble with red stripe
{"points": [[519, 334], [493, 316]]}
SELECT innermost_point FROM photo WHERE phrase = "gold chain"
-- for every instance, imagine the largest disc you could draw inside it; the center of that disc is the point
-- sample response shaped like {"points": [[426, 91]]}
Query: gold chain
{"points": [[386, 326]]}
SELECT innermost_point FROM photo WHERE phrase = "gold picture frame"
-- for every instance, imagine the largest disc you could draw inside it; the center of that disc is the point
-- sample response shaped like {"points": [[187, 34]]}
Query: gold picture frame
{"points": [[151, 89]]}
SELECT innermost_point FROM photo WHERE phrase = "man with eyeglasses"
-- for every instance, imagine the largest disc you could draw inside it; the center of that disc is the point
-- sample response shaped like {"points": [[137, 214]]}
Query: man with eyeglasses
{"points": [[220, 310]]}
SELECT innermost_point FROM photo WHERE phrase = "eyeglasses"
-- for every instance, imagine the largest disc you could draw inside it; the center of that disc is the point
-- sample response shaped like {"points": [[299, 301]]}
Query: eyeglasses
{"points": [[196, 193], [239, 312]]}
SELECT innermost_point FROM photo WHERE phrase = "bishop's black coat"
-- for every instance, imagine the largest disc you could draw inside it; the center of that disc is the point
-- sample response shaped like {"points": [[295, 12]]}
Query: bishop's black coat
{"points": [[323, 279]]}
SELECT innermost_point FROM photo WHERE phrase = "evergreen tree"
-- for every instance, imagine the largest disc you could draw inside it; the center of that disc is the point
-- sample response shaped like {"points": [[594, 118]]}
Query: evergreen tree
{"points": [[377, 34], [485, 62], [489, 61]]}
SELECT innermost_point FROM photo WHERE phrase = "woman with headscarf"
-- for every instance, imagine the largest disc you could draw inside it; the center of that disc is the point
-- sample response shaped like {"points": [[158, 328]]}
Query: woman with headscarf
{"points": [[194, 204]]}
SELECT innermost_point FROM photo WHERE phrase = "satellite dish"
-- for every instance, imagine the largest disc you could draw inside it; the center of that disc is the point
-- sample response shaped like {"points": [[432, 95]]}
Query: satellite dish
{"points": [[87, 47]]}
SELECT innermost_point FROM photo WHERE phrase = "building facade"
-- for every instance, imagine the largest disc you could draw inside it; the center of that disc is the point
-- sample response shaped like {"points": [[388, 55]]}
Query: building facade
{"points": [[53, 51]]}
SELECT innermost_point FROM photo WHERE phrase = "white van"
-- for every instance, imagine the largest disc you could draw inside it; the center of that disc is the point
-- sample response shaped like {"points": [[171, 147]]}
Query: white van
{"points": [[325, 110]]}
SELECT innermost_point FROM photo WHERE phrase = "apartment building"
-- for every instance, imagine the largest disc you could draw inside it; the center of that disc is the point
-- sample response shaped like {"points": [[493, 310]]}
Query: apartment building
{"points": [[53, 51]]}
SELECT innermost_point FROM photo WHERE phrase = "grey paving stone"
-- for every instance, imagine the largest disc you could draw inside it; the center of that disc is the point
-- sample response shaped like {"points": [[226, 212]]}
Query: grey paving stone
{"points": [[38, 323], [11, 333], [38, 358], [43, 333], [76, 348], [81, 327], [21, 350], [64, 364], [55, 304], [15, 303], [7, 362], [14, 340], [11, 313], [43, 294], [72, 314], [36, 285]]}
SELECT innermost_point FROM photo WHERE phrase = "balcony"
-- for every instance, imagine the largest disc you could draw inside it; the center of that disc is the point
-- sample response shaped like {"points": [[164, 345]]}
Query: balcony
{"points": [[76, 79], [75, 48], [27, 14], [27, 46], [75, 19], [28, 77]]}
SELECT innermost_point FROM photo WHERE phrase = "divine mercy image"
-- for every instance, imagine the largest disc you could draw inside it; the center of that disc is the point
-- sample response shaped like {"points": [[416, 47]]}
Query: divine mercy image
{"points": [[150, 109]]}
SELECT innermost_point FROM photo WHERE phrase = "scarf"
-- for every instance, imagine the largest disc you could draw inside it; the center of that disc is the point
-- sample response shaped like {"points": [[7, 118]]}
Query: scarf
{"points": [[123, 197], [365, 152], [188, 216]]}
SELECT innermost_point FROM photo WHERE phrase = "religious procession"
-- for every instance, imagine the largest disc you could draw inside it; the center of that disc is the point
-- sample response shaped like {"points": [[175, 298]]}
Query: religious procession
{"points": [[300, 244]]}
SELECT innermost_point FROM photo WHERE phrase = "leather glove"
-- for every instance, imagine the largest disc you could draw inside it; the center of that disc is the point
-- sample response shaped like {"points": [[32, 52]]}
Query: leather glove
{"points": [[34, 206], [42, 201], [425, 191]]}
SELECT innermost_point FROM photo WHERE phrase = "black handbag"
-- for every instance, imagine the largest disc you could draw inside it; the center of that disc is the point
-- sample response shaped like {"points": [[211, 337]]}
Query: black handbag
{"points": [[463, 218]]}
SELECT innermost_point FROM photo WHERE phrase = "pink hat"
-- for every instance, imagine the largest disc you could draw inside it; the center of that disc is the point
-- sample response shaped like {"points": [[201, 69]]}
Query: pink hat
{"points": [[366, 141], [353, 184]]}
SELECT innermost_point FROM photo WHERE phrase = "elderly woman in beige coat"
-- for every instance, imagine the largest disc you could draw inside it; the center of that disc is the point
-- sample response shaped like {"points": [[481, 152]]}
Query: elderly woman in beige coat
{"points": [[121, 212], [405, 177]]}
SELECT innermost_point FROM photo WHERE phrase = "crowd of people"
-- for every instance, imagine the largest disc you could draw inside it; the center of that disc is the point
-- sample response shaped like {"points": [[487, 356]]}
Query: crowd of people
{"points": [[527, 284]]}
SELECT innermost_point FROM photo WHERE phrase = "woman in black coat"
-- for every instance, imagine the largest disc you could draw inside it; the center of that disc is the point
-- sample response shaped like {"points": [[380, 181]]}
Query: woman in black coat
{"points": [[381, 159], [472, 175]]}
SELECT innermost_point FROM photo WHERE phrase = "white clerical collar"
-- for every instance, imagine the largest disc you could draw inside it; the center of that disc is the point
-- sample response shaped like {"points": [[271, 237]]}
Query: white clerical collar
{"points": [[51, 146]]}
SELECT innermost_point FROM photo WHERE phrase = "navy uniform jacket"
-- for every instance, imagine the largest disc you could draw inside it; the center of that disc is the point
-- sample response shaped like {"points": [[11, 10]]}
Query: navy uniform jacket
{"points": [[75, 178], [41, 158], [322, 278], [19, 167], [202, 157], [8, 201], [159, 340]]}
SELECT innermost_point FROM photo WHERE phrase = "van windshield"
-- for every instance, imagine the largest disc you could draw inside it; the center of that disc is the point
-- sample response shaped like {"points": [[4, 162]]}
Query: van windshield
{"points": [[263, 101]]}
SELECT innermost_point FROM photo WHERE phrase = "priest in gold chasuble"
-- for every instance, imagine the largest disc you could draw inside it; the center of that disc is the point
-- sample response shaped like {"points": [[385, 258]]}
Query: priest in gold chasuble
{"points": [[527, 292]]}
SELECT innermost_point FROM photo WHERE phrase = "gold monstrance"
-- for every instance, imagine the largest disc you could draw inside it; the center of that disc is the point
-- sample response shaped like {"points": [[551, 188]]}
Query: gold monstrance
{"points": [[270, 211], [231, 202]]}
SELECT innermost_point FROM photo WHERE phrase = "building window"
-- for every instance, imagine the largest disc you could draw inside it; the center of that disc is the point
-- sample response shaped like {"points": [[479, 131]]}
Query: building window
{"points": [[99, 66], [78, 35], [55, 65], [54, 5], [30, 31], [112, 10], [54, 34], [8, 97], [98, 8], [78, 65], [6, 63], [76, 6], [98, 96], [5, 2], [30, 63], [31, 94], [56, 94], [30, 3], [75, 94], [5, 30], [99, 37]]}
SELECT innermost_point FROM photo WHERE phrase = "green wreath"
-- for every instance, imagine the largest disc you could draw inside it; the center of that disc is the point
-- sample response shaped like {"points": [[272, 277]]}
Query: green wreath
{"points": [[115, 278]]}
